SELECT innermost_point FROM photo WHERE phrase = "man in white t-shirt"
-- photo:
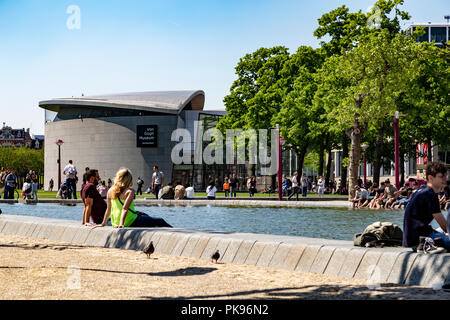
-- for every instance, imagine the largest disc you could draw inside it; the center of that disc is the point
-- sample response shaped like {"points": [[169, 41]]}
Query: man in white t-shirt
{"points": [[71, 175], [157, 181]]}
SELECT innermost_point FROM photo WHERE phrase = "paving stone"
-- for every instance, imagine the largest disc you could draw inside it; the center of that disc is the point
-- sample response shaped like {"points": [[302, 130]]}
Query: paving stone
{"points": [[182, 241], [168, 245], [12, 227], [293, 257], [243, 251], [45, 231], [321, 261], [162, 241], [69, 233], [384, 265], [266, 256], [129, 239], [37, 230], [2, 225], [143, 239], [402, 267], [255, 253], [222, 246], [190, 245], [200, 246], [56, 232], [438, 270], [352, 262], [280, 255], [23, 229], [113, 237], [336, 261], [232, 249], [368, 264], [307, 258], [420, 268], [98, 237], [81, 235]]}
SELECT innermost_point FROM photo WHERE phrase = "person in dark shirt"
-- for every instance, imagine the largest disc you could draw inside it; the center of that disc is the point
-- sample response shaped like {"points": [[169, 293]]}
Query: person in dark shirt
{"points": [[94, 205], [233, 185], [423, 207]]}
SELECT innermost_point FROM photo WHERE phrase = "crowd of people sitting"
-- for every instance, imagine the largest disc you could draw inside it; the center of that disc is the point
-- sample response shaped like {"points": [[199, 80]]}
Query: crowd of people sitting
{"points": [[386, 196]]}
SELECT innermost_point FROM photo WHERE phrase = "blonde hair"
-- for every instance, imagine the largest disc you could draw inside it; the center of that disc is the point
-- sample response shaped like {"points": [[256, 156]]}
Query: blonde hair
{"points": [[122, 181]]}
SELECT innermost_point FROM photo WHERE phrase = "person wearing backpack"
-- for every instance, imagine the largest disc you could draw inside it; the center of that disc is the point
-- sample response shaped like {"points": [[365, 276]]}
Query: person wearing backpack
{"points": [[423, 207]]}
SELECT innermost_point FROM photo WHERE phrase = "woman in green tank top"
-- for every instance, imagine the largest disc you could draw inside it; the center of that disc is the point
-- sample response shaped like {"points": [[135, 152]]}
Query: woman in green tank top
{"points": [[120, 205], [120, 201]]}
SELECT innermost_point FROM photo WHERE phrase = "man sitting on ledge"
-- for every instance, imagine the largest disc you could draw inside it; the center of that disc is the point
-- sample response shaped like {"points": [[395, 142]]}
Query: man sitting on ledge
{"points": [[423, 207]]}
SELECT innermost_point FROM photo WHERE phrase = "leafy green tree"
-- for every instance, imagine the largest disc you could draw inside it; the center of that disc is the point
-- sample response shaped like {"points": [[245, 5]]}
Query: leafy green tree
{"points": [[364, 84]]}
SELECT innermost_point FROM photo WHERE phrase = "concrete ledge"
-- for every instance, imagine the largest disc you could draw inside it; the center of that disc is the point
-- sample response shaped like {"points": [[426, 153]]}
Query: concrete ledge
{"points": [[322, 256]]}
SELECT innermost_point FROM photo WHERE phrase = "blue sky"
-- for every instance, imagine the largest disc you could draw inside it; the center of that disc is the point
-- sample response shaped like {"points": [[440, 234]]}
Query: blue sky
{"points": [[137, 45]]}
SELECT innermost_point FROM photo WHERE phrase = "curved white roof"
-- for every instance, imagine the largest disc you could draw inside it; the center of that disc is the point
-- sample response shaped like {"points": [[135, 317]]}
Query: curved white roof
{"points": [[156, 101]]}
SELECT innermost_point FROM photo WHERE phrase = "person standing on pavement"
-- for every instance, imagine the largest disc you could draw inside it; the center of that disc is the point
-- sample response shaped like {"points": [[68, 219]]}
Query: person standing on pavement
{"points": [[71, 171], [234, 182], [157, 181], [139, 183], [295, 188], [10, 184], [305, 184]]}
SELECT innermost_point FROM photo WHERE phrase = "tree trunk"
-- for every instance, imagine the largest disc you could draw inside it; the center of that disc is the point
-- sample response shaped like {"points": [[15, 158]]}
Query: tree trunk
{"points": [[344, 155], [355, 150], [378, 155], [327, 177], [300, 158], [321, 158]]}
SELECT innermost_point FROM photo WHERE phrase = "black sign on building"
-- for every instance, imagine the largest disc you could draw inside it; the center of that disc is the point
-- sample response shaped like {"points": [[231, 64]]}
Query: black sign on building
{"points": [[147, 136]]}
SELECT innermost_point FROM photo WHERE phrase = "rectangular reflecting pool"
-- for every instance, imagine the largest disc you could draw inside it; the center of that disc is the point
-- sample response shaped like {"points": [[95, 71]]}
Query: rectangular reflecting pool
{"points": [[338, 224]]}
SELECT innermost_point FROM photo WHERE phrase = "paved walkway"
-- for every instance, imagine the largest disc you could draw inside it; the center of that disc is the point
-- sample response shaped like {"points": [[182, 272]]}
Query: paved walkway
{"points": [[321, 256]]}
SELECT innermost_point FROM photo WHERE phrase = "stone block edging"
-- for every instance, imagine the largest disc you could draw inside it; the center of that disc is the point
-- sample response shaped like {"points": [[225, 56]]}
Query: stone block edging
{"points": [[322, 256]]}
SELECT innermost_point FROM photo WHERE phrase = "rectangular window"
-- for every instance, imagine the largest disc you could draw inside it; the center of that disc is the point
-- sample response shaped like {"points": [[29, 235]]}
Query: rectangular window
{"points": [[438, 34], [423, 38]]}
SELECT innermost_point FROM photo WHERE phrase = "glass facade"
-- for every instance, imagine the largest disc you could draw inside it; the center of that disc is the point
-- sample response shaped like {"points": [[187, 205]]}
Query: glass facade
{"points": [[423, 38], [438, 34], [83, 112]]}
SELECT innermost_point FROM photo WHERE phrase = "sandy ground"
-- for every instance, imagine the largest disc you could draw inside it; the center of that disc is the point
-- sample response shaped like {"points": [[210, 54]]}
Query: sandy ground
{"points": [[43, 269]]}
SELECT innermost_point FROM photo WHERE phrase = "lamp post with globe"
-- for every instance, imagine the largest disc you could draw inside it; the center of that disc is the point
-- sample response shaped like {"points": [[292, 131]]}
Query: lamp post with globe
{"points": [[59, 142]]}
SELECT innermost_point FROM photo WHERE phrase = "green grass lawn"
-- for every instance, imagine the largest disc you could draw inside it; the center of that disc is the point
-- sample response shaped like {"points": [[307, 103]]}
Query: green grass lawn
{"points": [[52, 195]]}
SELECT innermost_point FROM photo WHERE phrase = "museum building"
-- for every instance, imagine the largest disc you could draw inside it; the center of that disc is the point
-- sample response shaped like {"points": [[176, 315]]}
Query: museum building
{"points": [[132, 130]]}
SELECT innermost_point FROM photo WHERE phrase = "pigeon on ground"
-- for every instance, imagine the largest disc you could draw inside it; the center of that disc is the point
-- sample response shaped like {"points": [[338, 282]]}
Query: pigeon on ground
{"points": [[215, 256], [149, 249]]}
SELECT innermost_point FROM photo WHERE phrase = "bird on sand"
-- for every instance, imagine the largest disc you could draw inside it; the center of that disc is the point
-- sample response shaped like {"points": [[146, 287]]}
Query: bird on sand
{"points": [[149, 249], [215, 256]]}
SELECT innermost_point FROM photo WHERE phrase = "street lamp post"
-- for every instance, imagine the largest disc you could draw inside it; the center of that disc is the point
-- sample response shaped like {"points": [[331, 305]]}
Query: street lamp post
{"points": [[59, 142], [364, 146], [397, 146], [280, 183]]}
